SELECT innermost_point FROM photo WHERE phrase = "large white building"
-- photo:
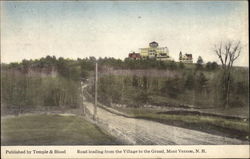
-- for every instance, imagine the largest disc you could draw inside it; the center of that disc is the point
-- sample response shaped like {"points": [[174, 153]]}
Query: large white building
{"points": [[153, 51]]}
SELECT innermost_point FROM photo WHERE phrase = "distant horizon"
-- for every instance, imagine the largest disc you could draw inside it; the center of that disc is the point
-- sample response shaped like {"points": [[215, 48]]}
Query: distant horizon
{"points": [[75, 59], [80, 29]]}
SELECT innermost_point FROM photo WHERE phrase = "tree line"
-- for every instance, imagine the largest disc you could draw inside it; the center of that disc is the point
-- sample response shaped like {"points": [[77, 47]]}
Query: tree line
{"points": [[192, 87], [223, 84], [73, 69]]}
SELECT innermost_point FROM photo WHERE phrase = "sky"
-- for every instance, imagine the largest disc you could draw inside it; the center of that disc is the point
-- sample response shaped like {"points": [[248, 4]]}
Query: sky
{"points": [[79, 29]]}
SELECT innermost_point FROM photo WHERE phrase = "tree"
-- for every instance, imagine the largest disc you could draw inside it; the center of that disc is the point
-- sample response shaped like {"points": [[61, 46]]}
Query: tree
{"points": [[145, 82], [172, 65], [135, 81], [214, 65], [26, 65], [227, 53], [210, 66], [189, 82], [201, 82], [173, 87], [199, 62]]}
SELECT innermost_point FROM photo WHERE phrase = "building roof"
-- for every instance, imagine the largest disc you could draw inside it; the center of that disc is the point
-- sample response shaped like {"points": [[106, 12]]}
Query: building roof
{"points": [[134, 55], [153, 42], [188, 55]]}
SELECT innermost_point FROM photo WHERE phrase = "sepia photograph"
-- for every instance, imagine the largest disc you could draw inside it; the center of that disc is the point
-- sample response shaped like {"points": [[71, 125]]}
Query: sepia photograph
{"points": [[124, 73]]}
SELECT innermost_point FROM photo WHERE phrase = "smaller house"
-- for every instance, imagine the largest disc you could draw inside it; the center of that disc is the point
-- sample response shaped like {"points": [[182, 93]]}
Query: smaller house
{"points": [[186, 58], [134, 56]]}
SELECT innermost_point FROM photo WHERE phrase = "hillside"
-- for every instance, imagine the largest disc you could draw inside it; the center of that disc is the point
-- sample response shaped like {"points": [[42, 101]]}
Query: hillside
{"points": [[54, 82]]}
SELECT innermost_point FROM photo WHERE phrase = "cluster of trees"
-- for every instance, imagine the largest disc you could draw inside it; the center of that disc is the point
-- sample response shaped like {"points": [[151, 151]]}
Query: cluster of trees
{"points": [[192, 87], [22, 88], [22, 91], [153, 63], [73, 69], [67, 68], [209, 66]]}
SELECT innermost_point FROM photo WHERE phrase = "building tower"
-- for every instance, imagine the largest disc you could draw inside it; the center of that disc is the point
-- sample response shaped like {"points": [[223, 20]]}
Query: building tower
{"points": [[180, 56]]}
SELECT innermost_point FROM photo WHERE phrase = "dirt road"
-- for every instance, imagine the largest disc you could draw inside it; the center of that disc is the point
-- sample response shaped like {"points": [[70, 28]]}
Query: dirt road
{"points": [[144, 132]]}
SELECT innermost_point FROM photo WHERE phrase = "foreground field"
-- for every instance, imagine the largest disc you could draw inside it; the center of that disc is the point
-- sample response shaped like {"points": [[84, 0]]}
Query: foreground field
{"points": [[52, 130]]}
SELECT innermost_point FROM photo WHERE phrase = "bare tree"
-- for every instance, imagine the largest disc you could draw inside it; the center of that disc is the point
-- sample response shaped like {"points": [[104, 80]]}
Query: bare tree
{"points": [[227, 53]]}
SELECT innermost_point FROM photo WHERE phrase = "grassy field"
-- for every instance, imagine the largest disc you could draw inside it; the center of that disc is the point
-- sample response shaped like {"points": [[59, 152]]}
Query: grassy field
{"points": [[235, 128], [52, 130]]}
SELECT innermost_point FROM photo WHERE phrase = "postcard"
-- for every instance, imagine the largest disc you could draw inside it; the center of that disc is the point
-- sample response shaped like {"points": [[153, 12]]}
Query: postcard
{"points": [[124, 79]]}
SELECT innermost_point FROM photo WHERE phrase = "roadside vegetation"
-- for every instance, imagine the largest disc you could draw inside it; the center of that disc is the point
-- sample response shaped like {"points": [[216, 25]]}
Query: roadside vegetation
{"points": [[207, 122], [214, 125]]}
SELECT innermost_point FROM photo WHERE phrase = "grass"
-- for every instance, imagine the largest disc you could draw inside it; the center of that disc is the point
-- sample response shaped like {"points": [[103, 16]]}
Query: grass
{"points": [[204, 120], [52, 130], [212, 124]]}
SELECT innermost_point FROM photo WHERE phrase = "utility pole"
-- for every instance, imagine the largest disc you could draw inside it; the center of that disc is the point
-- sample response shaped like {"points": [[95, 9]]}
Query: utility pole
{"points": [[96, 79], [83, 99]]}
